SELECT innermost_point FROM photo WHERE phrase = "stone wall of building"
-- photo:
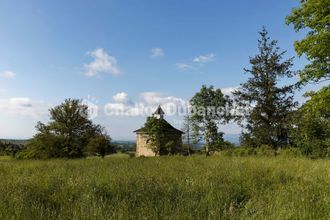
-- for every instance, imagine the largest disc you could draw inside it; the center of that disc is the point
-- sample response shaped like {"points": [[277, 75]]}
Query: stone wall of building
{"points": [[141, 147]]}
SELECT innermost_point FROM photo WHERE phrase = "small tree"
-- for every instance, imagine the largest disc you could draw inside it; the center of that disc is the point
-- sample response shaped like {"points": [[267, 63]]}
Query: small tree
{"points": [[101, 145], [209, 108], [190, 136]]}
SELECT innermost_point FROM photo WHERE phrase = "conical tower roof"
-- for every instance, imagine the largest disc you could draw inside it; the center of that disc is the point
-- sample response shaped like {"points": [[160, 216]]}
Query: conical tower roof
{"points": [[159, 111], [168, 127]]}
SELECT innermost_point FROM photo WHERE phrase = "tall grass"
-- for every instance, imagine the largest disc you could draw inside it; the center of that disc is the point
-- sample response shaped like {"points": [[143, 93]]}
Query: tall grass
{"points": [[200, 187]]}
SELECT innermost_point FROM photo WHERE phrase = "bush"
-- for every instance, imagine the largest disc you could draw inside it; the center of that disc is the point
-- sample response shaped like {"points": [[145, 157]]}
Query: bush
{"points": [[100, 145], [265, 150], [240, 151], [10, 149], [290, 152], [187, 150], [312, 130]]}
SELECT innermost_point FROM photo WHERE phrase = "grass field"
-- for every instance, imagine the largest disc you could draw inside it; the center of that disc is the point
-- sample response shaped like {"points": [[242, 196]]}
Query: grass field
{"points": [[166, 188]]}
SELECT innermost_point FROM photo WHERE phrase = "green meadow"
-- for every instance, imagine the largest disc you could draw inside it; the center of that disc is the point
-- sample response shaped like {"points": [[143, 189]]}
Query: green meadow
{"points": [[196, 187]]}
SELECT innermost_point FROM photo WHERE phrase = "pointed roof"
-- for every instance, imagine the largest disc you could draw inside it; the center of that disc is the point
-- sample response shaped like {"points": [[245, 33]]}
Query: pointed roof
{"points": [[169, 128], [159, 111]]}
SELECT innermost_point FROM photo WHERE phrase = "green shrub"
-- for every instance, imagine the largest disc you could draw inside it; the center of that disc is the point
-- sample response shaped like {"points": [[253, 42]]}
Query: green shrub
{"points": [[265, 150], [290, 152]]}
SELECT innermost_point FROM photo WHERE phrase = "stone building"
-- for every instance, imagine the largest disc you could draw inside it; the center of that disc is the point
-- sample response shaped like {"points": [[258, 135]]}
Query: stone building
{"points": [[143, 148]]}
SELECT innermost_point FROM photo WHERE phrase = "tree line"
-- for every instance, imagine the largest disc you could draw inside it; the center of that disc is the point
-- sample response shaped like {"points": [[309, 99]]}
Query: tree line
{"points": [[263, 106]]}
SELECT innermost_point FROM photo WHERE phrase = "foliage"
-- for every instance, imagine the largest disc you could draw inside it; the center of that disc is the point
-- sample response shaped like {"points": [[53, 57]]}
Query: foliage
{"points": [[173, 187], [209, 108], [101, 145], [124, 146], [66, 135], [263, 150], [10, 149], [187, 149], [161, 137], [267, 108], [312, 132], [313, 15], [293, 152], [2, 148], [188, 137]]}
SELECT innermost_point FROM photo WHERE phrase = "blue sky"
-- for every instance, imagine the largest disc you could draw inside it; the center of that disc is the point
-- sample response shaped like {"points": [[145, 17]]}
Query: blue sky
{"points": [[119, 52]]}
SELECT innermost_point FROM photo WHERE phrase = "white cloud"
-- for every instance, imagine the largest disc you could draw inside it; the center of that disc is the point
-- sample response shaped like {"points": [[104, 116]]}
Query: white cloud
{"points": [[8, 75], [123, 109], [151, 98], [116, 106], [204, 58], [120, 97], [156, 98], [23, 106], [157, 52], [184, 66], [148, 101], [197, 62], [103, 63], [228, 91]]}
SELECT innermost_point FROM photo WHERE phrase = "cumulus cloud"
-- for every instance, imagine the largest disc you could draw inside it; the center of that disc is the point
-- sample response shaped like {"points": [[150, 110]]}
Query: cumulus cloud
{"points": [[120, 97], [23, 106], [204, 58], [8, 75], [151, 98], [156, 98], [102, 63], [157, 52], [147, 103], [116, 106]]}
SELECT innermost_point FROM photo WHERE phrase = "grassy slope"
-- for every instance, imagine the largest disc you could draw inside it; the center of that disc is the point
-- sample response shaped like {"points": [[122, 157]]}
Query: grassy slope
{"points": [[166, 187]]}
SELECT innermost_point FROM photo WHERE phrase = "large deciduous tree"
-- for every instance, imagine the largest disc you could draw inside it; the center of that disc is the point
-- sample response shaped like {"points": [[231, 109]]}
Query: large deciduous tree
{"points": [[314, 16], [312, 131], [267, 105], [66, 135], [312, 120], [209, 108]]}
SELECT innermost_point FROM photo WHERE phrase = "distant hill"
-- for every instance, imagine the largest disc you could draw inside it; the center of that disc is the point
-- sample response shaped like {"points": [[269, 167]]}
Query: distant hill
{"points": [[130, 144], [15, 141], [124, 145], [233, 138]]}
